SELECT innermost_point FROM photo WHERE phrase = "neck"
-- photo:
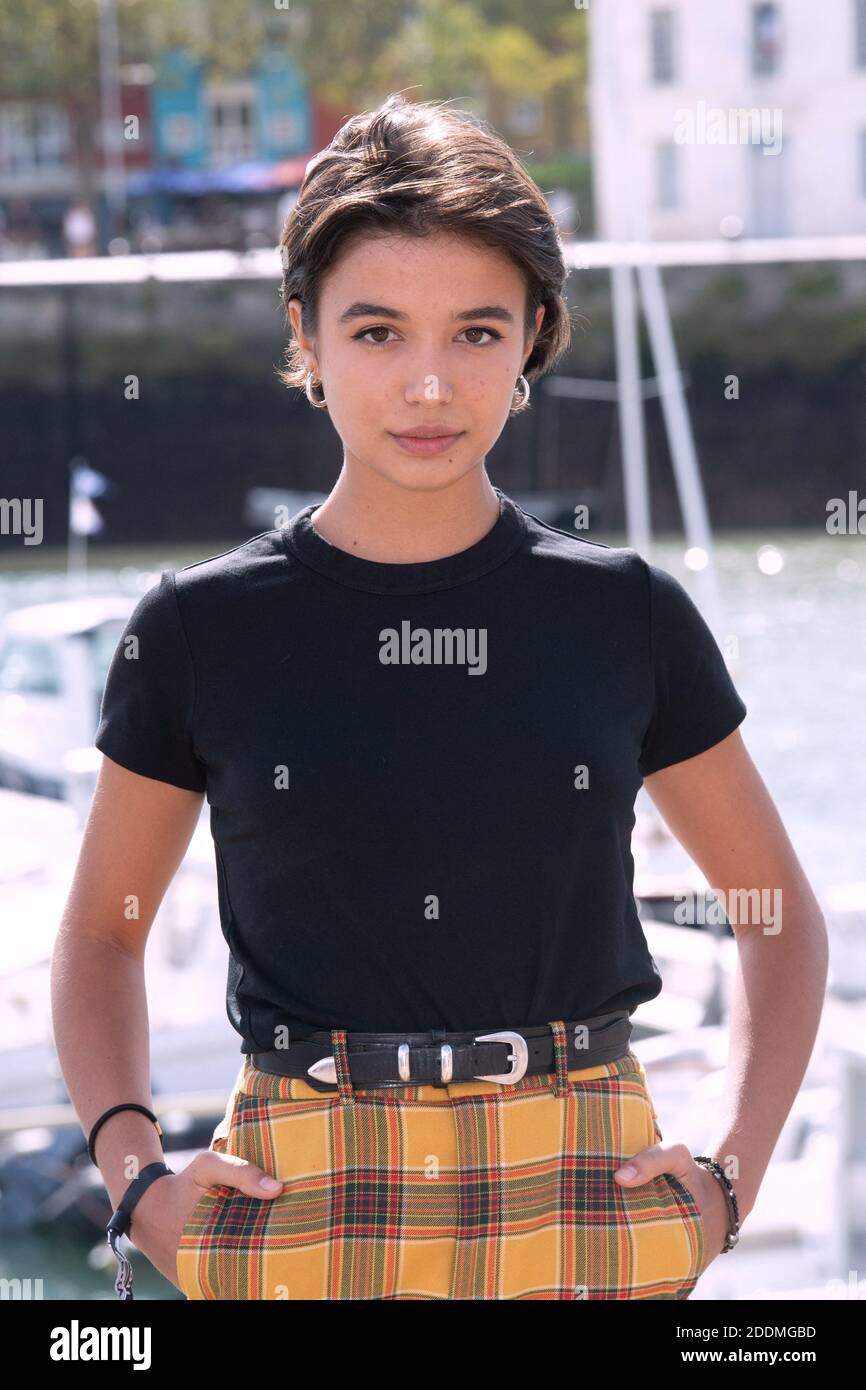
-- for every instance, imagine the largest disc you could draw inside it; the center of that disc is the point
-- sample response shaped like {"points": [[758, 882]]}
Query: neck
{"points": [[373, 518]]}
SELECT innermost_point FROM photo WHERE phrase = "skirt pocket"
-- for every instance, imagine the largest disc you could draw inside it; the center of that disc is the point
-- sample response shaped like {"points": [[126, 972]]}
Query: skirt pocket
{"points": [[694, 1222], [236, 1246], [202, 1218], [191, 1254], [688, 1206], [664, 1217]]}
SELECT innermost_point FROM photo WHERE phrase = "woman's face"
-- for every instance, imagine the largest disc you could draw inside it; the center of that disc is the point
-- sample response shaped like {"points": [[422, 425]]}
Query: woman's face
{"points": [[418, 331]]}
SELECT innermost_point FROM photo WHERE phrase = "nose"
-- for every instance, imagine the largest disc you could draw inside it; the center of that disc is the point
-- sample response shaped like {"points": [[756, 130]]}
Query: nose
{"points": [[427, 385]]}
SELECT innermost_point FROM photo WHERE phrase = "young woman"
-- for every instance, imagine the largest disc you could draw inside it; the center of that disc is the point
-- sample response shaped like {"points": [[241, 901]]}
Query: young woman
{"points": [[421, 717]]}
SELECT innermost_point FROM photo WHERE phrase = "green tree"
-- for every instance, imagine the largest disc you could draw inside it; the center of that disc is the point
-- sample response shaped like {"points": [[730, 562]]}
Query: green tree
{"points": [[435, 49]]}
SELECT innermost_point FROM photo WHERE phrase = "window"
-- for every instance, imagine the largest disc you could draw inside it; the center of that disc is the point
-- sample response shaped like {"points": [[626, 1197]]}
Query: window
{"points": [[768, 193], [662, 45], [667, 176], [33, 136], [231, 121], [766, 39], [860, 32]]}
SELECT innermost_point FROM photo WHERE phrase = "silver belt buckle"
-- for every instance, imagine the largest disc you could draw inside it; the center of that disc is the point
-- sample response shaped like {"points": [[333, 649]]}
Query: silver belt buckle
{"points": [[519, 1057], [326, 1069]]}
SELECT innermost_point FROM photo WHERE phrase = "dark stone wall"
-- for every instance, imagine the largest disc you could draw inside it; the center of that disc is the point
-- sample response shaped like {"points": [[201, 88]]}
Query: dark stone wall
{"points": [[213, 421]]}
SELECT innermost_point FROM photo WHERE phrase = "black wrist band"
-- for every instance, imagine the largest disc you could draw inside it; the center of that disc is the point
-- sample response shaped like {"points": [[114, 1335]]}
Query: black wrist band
{"points": [[124, 1105], [121, 1220]]}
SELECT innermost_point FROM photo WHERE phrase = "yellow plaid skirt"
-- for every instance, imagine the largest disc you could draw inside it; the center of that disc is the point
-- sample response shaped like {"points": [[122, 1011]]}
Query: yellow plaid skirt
{"points": [[474, 1190]]}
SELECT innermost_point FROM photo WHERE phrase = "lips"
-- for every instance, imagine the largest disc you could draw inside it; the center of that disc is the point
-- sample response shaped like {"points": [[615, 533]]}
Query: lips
{"points": [[426, 432], [427, 444]]}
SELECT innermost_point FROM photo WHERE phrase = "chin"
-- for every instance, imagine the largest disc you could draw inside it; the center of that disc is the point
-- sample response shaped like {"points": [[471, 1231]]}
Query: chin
{"points": [[420, 475]]}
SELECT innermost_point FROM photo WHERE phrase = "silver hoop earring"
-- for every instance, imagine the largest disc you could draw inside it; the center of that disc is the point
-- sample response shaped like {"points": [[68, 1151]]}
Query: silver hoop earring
{"points": [[525, 396], [308, 389]]}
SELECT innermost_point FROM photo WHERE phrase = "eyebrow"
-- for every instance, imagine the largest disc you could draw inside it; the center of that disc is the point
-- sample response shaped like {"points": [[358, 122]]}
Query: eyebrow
{"points": [[361, 310]]}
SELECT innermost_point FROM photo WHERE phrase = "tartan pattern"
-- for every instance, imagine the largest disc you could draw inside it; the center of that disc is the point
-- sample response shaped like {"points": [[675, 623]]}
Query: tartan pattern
{"points": [[341, 1064], [476, 1190], [560, 1056]]}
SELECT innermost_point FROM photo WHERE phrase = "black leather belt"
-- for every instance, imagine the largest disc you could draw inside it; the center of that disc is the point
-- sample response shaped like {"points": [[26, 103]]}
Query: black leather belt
{"points": [[438, 1057]]}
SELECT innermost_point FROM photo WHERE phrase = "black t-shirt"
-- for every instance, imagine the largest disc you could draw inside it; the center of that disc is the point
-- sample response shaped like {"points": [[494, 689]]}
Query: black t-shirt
{"points": [[421, 776]]}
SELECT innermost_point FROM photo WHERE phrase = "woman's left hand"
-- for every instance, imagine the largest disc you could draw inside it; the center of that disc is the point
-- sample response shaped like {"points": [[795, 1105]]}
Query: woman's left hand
{"points": [[704, 1187]]}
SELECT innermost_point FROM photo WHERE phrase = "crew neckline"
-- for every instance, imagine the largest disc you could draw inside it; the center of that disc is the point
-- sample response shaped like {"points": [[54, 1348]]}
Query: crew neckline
{"points": [[301, 539]]}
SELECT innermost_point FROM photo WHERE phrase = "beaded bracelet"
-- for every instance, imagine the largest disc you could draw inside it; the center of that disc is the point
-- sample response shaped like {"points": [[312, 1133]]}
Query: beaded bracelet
{"points": [[733, 1235]]}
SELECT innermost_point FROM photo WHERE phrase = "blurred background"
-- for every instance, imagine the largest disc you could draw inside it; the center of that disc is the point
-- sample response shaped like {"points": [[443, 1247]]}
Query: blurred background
{"points": [[707, 168]]}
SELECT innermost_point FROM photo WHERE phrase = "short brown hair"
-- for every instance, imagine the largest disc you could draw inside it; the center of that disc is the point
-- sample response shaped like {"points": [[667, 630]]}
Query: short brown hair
{"points": [[415, 168]]}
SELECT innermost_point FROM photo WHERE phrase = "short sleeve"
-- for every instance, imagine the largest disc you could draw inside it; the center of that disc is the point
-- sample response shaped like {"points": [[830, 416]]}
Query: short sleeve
{"points": [[149, 694], [695, 702]]}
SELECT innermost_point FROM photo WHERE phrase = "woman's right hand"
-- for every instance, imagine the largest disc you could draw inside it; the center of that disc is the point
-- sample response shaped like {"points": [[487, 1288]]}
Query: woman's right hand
{"points": [[162, 1212]]}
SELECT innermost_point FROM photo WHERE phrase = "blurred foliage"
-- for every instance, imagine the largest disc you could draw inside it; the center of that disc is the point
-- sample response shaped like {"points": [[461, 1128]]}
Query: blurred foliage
{"points": [[816, 281], [53, 50], [352, 53], [725, 288]]}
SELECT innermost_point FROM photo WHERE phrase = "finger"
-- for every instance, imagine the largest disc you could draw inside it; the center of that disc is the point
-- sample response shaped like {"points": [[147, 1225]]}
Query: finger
{"points": [[649, 1162], [211, 1168]]}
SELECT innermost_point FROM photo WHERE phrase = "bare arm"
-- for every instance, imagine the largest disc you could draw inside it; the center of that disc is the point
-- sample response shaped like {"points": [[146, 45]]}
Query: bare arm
{"points": [[136, 836], [720, 810], [135, 839]]}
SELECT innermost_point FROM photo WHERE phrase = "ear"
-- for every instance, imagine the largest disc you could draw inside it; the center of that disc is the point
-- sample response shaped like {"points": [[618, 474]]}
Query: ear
{"points": [[295, 308], [305, 344]]}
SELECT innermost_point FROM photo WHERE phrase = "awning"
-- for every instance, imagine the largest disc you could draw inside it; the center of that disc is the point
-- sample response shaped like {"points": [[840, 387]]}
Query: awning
{"points": [[247, 176]]}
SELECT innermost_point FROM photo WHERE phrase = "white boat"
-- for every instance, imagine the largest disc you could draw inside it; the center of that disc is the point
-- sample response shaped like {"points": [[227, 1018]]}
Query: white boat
{"points": [[53, 661]]}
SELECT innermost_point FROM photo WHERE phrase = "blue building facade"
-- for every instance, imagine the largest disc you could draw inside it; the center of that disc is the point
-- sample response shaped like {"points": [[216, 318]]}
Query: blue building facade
{"points": [[179, 112], [272, 116], [284, 123]]}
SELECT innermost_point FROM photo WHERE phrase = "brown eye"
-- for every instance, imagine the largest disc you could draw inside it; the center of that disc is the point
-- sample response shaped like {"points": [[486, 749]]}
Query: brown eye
{"points": [[491, 333], [377, 328]]}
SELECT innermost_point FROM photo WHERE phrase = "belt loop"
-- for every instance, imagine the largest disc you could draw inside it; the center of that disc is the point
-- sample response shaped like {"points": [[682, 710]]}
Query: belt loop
{"points": [[341, 1062], [560, 1056]]}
